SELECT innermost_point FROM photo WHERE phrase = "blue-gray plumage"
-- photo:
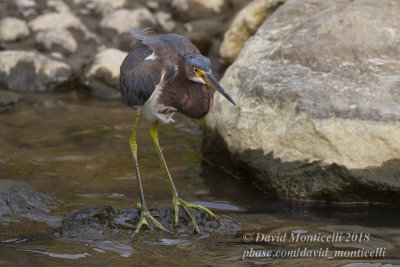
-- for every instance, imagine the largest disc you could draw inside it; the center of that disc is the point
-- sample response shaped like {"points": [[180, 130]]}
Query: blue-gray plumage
{"points": [[163, 75], [142, 79], [199, 61]]}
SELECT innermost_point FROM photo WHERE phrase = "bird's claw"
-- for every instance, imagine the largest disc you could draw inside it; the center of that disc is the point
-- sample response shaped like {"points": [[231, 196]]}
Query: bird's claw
{"points": [[177, 201], [145, 218]]}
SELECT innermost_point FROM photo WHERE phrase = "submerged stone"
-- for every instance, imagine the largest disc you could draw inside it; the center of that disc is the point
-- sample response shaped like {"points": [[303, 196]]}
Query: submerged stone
{"points": [[106, 222], [8, 100], [20, 200]]}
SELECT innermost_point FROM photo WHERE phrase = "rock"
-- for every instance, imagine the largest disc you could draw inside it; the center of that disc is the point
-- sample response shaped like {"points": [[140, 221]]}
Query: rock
{"points": [[60, 21], [59, 6], [165, 21], [58, 40], [26, 7], [184, 5], [25, 3], [103, 75], [244, 25], [102, 7], [189, 10], [63, 36], [318, 103], [105, 222], [122, 20], [202, 32], [20, 200], [31, 71], [153, 5], [13, 29], [8, 100]]}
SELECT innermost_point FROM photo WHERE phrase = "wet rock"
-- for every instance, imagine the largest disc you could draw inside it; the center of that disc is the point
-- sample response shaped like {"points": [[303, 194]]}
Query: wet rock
{"points": [[103, 75], [244, 25], [61, 21], [122, 20], [31, 71], [13, 29], [318, 103], [8, 100], [58, 40], [20, 200], [105, 222], [102, 7]]}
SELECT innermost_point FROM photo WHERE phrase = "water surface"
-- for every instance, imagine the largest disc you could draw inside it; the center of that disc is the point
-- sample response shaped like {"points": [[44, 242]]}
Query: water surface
{"points": [[76, 150]]}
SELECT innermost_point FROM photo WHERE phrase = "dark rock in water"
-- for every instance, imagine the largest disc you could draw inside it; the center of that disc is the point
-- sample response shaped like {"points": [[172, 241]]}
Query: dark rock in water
{"points": [[105, 222], [21, 200], [8, 100]]}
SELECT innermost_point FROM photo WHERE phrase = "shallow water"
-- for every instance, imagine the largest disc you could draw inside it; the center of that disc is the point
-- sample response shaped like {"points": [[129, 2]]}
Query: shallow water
{"points": [[76, 150]]}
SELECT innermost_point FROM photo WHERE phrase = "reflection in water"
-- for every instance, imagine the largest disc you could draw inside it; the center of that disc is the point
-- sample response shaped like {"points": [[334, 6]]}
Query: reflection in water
{"points": [[121, 249], [219, 205], [63, 256], [76, 150]]}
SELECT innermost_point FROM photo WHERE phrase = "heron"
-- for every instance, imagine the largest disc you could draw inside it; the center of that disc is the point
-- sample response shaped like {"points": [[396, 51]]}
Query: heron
{"points": [[163, 75]]}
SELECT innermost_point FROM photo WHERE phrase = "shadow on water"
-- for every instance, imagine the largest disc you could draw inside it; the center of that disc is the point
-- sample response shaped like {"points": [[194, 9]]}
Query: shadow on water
{"points": [[75, 149]]}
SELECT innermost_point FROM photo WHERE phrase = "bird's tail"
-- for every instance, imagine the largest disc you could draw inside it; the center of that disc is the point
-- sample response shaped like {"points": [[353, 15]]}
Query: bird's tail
{"points": [[138, 33]]}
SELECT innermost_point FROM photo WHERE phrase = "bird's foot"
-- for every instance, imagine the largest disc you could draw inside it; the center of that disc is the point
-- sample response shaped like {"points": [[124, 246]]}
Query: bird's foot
{"points": [[145, 219], [177, 201]]}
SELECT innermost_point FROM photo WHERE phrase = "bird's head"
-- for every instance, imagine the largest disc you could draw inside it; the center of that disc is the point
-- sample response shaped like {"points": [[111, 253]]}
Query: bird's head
{"points": [[198, 69]]}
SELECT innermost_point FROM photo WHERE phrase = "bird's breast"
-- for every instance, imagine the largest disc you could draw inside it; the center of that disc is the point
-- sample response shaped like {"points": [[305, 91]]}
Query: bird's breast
{"points": [[188, 98]]}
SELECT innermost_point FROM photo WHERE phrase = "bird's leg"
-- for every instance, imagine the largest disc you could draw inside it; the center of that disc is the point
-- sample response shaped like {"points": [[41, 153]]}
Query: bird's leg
{"points": [[145, 216], [176, 199]]}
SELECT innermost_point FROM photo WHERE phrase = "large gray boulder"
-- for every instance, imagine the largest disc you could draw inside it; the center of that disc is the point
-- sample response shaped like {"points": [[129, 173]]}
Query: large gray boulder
{"points": [[32, 71], [318, 94]]}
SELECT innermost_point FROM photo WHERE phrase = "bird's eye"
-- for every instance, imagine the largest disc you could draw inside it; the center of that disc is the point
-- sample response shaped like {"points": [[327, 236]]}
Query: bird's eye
{"points": [[196, 70]]}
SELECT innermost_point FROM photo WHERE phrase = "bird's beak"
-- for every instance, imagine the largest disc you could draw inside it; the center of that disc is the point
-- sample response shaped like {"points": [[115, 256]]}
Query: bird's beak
{"points": [[209, 79]]}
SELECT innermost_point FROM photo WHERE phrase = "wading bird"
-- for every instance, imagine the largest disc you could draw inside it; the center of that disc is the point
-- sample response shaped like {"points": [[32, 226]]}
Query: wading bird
{"points": [[162, 75]]}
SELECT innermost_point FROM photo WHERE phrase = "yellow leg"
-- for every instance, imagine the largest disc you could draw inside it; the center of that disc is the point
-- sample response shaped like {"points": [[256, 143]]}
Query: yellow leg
{"points": [[145, 216], [176, 200]]}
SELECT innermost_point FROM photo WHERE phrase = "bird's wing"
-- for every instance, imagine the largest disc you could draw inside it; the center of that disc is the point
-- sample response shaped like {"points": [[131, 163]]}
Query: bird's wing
{"points": [[140, 74]]}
